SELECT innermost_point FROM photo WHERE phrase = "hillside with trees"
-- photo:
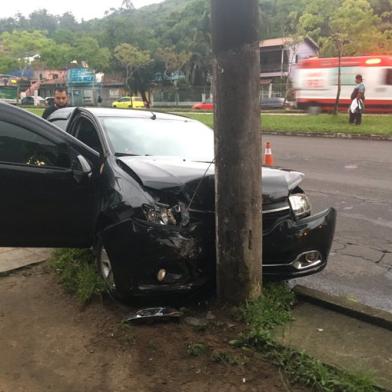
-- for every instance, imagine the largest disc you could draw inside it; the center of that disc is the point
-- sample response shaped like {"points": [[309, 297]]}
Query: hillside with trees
{"points": [[174, 36]]}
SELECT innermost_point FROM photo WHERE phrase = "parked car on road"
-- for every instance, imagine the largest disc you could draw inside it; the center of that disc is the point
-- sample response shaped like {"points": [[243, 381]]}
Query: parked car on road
{"points": [[139, 188], [274, 103], [49, 101], [206, 105], [265, 103], [129, 103], [33, 101]]}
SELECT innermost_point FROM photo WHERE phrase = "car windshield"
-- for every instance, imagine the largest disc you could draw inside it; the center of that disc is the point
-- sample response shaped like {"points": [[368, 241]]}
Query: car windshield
{"points": [[182, 138]]}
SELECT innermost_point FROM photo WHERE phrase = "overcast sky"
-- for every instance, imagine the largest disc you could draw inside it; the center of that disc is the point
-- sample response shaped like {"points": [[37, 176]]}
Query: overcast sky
{"points": [[86, 9]]}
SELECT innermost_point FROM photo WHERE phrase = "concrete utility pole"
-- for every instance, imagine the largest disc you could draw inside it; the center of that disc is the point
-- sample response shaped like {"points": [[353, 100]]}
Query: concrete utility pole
{"points": [[237, 149]]}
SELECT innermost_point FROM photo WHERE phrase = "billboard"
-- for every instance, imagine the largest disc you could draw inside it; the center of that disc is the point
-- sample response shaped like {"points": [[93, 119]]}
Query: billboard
{"points": [[80, 77]]}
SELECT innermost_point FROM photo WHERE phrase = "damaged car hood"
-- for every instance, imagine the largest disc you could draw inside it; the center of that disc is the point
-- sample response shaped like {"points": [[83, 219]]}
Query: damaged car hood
{"points": [[169, 172]]}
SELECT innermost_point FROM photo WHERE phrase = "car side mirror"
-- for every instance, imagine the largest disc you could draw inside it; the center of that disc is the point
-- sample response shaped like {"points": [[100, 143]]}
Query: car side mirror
{"points": [[86, 168], [83, 169]]}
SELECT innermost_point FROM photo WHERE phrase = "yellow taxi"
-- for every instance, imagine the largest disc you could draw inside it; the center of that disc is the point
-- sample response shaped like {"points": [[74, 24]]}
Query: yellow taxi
{"points": [[129, 103]]}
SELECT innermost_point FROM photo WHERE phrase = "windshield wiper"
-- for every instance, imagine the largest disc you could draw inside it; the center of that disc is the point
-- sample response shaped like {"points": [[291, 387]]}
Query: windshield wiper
{"points": [[124, 154]]}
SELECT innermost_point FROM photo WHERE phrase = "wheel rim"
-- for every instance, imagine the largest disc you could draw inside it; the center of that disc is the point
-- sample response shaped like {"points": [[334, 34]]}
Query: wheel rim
{"points": [[106, 269]]}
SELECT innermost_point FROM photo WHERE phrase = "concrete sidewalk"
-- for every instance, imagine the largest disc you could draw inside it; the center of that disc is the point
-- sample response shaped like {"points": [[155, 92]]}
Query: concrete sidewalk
{"points": [[355, 279], [15, 258], [341, 341]]}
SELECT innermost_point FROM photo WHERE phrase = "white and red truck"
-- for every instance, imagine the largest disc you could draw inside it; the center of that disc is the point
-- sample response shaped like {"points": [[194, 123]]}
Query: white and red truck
{"points": [[316, 82]]}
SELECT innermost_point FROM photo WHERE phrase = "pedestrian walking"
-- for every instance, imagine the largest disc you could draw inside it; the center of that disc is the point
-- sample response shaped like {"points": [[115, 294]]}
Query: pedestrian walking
{"points": [[60, 101], [357, 101]]}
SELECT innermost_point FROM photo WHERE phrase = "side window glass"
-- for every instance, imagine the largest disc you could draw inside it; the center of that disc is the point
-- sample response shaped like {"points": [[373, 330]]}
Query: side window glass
{"points": [[62, 124], [88, 135], [22, 146], [388, 77]]}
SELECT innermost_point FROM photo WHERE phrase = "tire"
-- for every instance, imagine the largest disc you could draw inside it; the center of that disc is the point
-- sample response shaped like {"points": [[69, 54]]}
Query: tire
{"points": [[104, 269], [115, 106]]}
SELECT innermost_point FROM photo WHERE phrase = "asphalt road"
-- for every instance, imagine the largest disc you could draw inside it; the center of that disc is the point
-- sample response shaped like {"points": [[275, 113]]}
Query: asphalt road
{"points": [[355, 177]]}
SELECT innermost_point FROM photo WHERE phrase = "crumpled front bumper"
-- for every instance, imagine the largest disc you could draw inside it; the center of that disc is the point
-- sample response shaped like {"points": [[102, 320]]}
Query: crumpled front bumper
{"points": [[289, 239], [139, 250]]}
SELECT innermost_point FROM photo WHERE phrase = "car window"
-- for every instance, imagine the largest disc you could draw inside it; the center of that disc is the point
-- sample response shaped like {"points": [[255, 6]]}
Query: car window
{"points": [[62, 124], [137, 99], [22, 146], [87, 134], [135, 136]]}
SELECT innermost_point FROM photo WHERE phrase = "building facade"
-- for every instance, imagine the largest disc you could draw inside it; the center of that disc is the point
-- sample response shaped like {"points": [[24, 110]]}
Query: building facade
{"points": [[278, 58]]}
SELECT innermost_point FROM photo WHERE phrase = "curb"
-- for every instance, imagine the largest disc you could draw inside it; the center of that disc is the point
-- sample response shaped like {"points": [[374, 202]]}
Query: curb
{"points": [[348, 307], [335, 135]]}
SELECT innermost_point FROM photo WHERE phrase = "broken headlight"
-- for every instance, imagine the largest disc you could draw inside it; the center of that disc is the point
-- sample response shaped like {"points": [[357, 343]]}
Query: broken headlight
{"points": [[164, 215], [300, 205], [159, 215]]}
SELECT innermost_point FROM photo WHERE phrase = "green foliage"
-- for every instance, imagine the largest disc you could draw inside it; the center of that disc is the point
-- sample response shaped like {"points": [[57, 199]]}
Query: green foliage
{"points": [[56, 55], [227, 358], [132, 60], [274, 309], [301, 368], [77, 273], [173, 61], [350, 27], [18, 46], [196, 349], [87, 49], [176, 35]]}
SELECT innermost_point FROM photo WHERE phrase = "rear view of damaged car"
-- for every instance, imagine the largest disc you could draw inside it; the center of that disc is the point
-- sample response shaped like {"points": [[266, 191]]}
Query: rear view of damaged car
{"points": [[144, 188]]}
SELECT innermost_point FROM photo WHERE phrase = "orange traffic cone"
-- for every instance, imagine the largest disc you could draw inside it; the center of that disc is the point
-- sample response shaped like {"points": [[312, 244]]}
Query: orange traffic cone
{"points": [[268, 160]]}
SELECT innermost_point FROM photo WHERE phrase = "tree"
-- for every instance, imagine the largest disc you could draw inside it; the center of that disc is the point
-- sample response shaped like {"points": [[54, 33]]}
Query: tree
{"points": [[128, 5], [42, 20], [172, 60], [344, 28], [56, 55], [353, 28], [237, 149], [131, 59], [87, 49], [20, 46]]}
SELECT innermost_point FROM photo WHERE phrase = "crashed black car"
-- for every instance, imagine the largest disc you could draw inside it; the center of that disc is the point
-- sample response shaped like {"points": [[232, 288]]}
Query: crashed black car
{"points": [[139, 188]]}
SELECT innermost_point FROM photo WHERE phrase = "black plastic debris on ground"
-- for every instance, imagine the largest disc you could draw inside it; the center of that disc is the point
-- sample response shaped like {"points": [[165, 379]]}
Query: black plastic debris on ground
{"points": [[153, 315]]}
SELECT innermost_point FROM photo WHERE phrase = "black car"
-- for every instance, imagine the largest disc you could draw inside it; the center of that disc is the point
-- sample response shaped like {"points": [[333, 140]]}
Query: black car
{"points": [[139, 187]]}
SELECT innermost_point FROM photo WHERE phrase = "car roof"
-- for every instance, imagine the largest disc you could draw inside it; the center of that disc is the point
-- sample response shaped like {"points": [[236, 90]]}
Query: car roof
{"points": [[65, 113]]}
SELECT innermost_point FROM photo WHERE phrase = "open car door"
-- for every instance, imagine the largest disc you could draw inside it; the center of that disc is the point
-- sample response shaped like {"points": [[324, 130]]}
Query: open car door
{"points": [[47, 183]]}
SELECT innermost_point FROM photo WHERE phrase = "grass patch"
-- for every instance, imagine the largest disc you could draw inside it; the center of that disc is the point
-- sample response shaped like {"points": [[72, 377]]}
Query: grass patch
{"points": [[226, 358], [196, 349], [77, 273], [37, 111], [273, 309], [323, 123]]}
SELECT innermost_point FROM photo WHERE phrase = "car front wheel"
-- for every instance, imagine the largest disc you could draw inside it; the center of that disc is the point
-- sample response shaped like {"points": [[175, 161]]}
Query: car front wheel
{"points": [[105, 270]]}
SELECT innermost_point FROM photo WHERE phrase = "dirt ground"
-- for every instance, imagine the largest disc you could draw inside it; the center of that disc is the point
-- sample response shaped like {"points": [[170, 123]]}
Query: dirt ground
{"points": [[48, 342]]}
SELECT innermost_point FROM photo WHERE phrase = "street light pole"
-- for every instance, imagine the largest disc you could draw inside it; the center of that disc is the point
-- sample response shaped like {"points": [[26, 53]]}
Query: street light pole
{"points": [[238, 149]]}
